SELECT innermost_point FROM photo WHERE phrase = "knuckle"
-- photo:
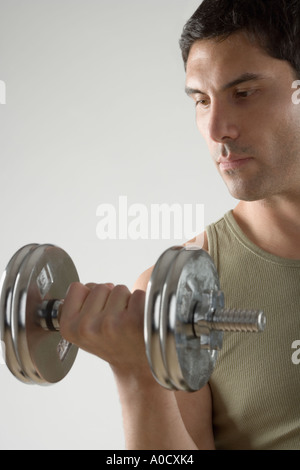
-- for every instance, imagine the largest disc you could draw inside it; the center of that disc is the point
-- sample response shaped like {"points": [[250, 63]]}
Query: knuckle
{"points": [[73, 288], [137, 302], [90, 285], [121, 289], [101, 290], [75, 295], [138, 296]]}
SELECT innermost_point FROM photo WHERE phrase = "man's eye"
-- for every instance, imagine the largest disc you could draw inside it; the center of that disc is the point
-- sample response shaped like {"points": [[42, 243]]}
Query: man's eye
{"points": [[244, 93], [202, 103]]}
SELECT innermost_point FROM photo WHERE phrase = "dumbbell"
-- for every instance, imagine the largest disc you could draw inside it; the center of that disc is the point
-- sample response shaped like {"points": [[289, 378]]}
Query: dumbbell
{"points": [[184, 316]]}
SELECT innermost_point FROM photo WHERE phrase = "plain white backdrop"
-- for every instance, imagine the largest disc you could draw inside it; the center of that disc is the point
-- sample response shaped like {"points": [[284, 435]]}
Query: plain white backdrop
{"points": [[95, 109]]}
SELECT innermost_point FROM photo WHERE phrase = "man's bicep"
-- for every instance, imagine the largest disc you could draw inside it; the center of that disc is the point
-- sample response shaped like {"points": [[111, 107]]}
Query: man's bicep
{"points": [[196, 412], [195, 408]]}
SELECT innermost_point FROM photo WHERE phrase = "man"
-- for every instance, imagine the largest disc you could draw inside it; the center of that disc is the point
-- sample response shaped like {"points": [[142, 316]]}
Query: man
{"points": [[241, 59]]}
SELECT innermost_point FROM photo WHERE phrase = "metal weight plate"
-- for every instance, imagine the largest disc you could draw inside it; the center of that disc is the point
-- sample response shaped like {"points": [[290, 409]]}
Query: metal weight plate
{"points": [[6, 293], [45, 273], [189, 364], [152, 316]]}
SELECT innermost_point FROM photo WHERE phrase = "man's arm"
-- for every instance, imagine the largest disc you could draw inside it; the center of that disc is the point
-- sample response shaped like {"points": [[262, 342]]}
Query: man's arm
{"points": [[180, 420], [107, 321]]}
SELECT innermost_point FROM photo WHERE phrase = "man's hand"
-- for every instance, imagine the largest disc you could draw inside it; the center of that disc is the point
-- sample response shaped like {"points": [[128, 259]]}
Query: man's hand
{"points": [[107, 321]]}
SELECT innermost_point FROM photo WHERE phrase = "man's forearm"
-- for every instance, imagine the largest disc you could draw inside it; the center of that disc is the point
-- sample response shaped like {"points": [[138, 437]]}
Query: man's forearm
{"points": [[152, 419]]}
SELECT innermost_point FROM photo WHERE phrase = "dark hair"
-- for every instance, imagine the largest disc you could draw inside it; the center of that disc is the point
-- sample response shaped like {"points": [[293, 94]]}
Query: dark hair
{"points": [[274, 24]]}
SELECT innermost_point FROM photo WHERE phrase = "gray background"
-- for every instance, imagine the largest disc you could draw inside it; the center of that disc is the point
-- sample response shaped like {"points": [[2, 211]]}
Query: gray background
{"points": [[95, 109]]}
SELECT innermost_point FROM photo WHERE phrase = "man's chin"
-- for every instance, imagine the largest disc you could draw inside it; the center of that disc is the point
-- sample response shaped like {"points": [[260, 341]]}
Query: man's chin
{"points": [[243, 193]]}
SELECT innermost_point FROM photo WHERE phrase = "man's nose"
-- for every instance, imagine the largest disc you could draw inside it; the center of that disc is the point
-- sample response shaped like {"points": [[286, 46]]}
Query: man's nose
{"points": [[223, 123]]}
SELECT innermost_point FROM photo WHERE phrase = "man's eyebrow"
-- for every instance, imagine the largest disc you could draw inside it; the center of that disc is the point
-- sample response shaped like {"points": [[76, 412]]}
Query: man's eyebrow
{"points": [[193, 91], [245, 77]]}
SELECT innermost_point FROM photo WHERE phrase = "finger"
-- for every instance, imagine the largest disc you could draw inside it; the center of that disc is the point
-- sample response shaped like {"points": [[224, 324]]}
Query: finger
{"points": [[91, 285], [118, 299], [137, 300], [75, 297], [74, 300], [96, 300], [110, 285], [136, 306]]}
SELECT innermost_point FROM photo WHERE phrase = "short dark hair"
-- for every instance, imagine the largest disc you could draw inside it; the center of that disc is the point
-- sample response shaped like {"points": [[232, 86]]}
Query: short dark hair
{"points": [[274, 24]]}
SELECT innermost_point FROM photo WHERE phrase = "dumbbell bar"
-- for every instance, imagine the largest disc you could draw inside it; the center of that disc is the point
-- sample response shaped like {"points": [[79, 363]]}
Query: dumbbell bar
{"points": [[184, 316]]}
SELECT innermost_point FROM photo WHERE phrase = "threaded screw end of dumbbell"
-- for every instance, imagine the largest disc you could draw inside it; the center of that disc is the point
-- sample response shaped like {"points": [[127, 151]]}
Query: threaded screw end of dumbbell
{"points": [[236, 320]]}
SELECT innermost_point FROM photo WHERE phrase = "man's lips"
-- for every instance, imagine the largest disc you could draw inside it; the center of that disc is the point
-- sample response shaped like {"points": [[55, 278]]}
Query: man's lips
{"points": [[233, 162]]}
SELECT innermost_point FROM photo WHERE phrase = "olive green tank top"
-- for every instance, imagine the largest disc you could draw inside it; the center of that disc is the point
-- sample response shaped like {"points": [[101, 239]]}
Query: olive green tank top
{"points": [[256, 382]]}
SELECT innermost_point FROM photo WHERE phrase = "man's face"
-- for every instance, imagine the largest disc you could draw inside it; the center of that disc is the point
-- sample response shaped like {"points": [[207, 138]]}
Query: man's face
{"points": [[244, 111]]}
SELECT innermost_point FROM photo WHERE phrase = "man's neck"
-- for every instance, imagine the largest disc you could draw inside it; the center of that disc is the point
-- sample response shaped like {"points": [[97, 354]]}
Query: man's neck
{"points": [[273, 225]]}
